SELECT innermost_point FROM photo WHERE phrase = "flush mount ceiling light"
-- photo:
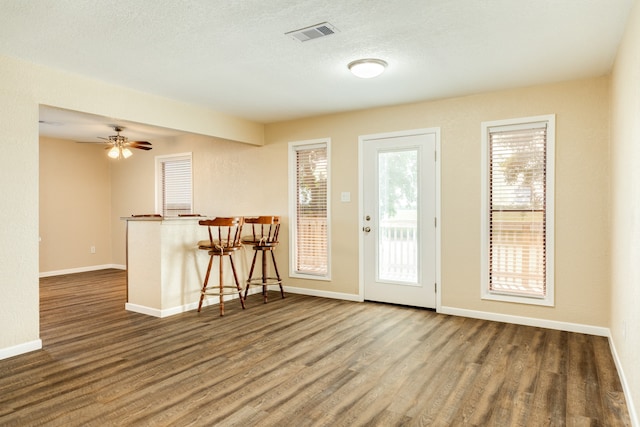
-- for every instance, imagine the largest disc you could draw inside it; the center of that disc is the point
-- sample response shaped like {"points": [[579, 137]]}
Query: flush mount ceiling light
{"points": [[367, 68]]}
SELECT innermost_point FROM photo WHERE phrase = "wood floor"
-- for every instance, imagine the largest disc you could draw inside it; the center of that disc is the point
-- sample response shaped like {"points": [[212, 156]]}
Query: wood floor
{"points": [[302, 361]]}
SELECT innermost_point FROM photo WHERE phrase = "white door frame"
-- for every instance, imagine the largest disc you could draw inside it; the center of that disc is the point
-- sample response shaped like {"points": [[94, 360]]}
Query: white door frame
{"points": [[361, 141]]}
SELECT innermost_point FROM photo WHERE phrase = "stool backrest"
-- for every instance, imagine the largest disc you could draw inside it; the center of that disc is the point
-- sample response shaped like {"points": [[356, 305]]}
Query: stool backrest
{"points": [[264, 229], [224, 232]]}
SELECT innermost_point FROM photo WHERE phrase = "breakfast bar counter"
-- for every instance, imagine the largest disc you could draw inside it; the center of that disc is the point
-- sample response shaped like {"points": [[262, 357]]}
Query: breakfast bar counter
{"points": [[165, 268]]}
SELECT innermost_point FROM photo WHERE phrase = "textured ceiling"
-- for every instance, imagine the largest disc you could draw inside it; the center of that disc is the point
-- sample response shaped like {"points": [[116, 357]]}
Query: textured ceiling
{"points": [[234, 56]]}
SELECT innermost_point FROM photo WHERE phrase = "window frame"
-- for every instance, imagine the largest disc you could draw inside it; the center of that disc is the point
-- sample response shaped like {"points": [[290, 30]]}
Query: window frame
{"points": [[486, 294], [159, 161], [294, 147]]}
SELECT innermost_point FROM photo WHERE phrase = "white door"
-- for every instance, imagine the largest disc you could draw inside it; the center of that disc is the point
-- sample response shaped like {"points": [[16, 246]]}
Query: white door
{"points": [[399, 218]]}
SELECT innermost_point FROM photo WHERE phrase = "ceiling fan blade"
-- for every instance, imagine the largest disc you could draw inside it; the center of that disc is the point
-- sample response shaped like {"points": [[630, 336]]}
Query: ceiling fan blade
{"points": [[141, 147], [138, 144]]}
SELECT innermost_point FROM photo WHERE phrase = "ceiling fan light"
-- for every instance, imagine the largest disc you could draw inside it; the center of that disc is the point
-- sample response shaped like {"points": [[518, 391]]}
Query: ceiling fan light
{"points": [[367, 68], [114, 153], [126, 153]]}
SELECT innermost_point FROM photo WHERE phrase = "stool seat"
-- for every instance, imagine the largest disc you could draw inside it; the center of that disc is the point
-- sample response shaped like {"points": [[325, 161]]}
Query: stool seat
{"points": [[249, 241], [215, 246]]}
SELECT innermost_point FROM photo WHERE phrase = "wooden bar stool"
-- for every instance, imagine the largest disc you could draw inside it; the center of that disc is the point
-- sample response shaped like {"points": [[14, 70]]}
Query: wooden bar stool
{"points": [[263, 239], [224, 241]]}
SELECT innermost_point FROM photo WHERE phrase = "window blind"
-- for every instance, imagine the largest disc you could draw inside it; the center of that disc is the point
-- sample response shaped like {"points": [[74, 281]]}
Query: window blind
{"points": [[176, 187], [311, 252], [517, 213]]}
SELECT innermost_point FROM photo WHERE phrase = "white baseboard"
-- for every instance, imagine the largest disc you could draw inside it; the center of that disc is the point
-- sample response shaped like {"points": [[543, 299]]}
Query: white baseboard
{"points": [[527, 321], [324, 294], [155, 312], [633, 415], [215, 300], [82, 269], [149, 311], [19, 349]]}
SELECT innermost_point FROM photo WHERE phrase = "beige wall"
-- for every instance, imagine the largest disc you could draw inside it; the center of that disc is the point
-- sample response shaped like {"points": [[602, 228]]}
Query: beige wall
{"points": [[625, 207], [75, 205], [581, 109], [23, 87]]}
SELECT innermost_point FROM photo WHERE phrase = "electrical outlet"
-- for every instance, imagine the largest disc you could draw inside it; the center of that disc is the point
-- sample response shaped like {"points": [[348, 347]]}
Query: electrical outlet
{"points": [[92, 249]]}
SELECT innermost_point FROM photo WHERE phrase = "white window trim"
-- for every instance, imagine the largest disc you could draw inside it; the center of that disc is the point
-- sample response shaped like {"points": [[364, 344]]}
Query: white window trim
{"points": [[158, 184], [486, 294], [293, 195]]}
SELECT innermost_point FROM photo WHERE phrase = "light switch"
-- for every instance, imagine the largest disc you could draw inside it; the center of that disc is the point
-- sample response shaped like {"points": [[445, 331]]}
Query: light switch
{"points": [[345, 196]]}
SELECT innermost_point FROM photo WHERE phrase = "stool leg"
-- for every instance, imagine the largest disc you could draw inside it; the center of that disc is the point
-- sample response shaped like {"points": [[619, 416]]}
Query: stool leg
{"points": [[221, 287], [253, 264], [275, 267], [264, 276], [204, 285], [235, 277]]}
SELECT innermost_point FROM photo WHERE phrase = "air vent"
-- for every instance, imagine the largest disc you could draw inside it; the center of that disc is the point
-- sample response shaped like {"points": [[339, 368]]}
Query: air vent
{"points": [[313, 32]]}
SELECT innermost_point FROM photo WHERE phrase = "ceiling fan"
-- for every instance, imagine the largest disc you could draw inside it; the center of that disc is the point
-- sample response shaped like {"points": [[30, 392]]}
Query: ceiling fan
{"points": [[120, 145]]}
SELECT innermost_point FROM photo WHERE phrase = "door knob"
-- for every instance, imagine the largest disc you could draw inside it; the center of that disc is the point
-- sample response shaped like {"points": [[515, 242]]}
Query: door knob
{"points": [[366, 229]]}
